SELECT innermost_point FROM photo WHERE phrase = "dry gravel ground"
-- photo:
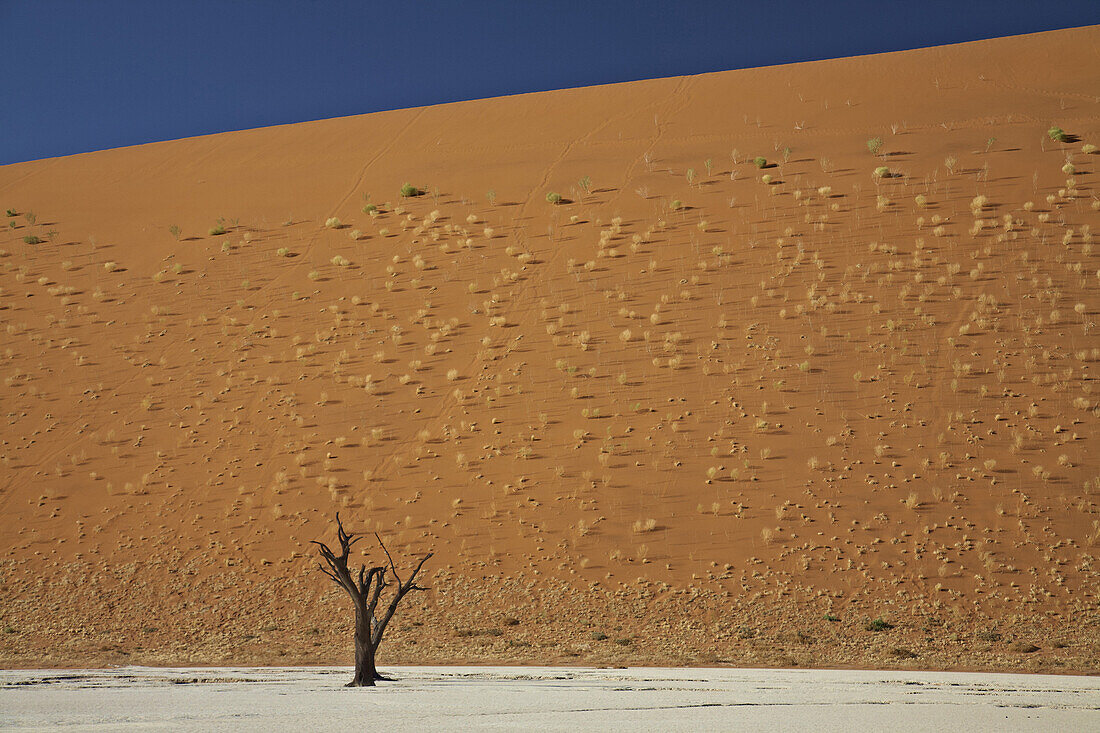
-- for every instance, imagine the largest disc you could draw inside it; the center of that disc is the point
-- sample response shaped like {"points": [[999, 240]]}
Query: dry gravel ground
{"points": [[544, 698]]}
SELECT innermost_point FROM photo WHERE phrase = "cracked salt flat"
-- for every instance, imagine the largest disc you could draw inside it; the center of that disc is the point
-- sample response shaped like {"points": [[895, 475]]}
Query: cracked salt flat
{"points": [[543, 698]]}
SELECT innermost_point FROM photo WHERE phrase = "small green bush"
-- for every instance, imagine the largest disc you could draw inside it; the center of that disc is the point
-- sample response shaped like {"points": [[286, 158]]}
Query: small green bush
{"points": [[882, 172], [31, 239], [879, 625], [12, 212], [554, 198], [370, 209], [408, 190], [1058, 134], [874, 145], [1087, 149], [676, 205], [217, 231], [283, 252], [760, 161]]}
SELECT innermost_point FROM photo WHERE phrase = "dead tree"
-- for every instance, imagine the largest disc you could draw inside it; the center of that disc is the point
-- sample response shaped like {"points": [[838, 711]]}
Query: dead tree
{"points": [[366, 592]]}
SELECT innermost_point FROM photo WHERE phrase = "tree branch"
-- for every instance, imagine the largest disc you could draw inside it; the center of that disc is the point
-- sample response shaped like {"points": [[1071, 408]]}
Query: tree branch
{"points": [[392, 566], [402, 589]]}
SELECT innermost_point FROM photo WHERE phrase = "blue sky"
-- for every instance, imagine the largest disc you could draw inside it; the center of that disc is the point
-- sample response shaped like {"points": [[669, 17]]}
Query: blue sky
{"points": [[92, 74]]}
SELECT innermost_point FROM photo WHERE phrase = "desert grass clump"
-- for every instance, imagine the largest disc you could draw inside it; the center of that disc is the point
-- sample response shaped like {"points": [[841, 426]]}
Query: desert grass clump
{"points": [[882, 172], [878, 624], [408, 190], [760, 161], [553, 198], [1057, 134], [874, 145]]}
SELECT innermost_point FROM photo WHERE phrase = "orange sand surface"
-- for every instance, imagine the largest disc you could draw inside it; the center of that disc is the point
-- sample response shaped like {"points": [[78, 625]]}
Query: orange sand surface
{"points": [[688, 415]]}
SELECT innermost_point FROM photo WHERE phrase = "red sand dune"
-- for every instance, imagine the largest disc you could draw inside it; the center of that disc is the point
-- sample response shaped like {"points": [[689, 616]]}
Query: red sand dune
{"points": [[688, 415]]}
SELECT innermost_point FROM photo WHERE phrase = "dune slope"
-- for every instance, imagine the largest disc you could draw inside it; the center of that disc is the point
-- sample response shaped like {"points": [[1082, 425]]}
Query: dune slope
{"points": [[834, 407]]}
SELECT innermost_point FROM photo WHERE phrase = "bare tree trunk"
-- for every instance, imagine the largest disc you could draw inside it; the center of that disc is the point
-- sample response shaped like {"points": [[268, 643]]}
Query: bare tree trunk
{"points": [[365, 673]]}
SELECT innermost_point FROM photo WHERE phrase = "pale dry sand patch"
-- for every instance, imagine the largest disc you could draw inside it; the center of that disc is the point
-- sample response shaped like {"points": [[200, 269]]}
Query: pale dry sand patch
{"points": [[543, 698]]}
